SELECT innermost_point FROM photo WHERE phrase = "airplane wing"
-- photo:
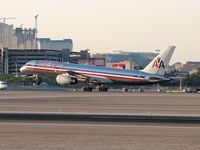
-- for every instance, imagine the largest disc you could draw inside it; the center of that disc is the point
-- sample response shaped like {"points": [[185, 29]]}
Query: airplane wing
{"points": [[88, 79]]}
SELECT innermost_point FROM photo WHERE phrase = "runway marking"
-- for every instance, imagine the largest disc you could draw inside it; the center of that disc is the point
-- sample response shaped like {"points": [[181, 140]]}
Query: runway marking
{"points": [[101, 125], [82, 94], [99, 113], [62, 96], [36, 97]]}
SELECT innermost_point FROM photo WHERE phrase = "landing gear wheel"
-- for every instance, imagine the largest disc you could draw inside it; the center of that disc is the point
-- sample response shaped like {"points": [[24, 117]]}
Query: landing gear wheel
{"points": [[87, 89], [103, 89]]}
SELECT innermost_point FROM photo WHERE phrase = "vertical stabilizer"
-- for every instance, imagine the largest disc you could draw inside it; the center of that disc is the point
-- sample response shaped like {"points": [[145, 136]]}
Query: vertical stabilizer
{"points": [[158, 65]]}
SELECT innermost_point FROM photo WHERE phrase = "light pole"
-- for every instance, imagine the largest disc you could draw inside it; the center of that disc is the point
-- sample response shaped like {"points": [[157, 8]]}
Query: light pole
{"points": [[87, 56], [181, 84], [16, 65]]}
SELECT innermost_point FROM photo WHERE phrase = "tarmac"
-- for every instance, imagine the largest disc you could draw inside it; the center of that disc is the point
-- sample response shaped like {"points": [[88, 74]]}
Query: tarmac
{"points": [[97, 102], [24, 134], [101, 136]]}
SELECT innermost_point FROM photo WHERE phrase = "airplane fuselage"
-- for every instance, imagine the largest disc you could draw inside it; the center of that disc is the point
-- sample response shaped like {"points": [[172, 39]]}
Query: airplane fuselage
{"points": [[102, 74]]}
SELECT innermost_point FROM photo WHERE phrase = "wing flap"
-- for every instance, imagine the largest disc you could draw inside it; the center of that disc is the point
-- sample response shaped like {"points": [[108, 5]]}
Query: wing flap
{"points": [[89, 79]]}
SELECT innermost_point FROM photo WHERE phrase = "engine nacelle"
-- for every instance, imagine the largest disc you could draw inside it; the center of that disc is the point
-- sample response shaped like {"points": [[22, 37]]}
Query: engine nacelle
{"points": [[153, 79], [65, 79]]}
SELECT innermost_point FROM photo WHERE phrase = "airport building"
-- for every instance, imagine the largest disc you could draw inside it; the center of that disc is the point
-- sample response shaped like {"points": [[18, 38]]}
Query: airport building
{"points": [[12, 59]]}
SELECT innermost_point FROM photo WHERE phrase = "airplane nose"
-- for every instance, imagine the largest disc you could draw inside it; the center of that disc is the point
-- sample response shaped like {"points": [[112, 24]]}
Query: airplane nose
{"points": [[22, 69]]}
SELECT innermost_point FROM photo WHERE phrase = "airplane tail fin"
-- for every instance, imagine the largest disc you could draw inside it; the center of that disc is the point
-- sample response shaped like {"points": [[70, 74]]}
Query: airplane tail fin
{"points": [[158, 65]]}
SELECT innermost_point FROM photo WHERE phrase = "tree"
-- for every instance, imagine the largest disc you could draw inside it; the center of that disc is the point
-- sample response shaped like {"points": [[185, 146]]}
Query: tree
{"points": [[8, 78], [193, 80]]}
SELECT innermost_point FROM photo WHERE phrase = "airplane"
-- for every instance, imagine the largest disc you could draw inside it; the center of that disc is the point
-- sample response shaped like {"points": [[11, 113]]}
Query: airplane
{"points": [[69, 73]]}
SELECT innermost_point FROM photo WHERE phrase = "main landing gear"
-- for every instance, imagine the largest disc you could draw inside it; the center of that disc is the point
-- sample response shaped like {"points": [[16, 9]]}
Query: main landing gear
{"points": [[102, 89], [87, 89], [99, 88]]}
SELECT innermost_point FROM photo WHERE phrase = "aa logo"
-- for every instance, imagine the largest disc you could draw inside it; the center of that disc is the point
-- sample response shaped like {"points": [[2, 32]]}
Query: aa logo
{"points": [[158, 63]]}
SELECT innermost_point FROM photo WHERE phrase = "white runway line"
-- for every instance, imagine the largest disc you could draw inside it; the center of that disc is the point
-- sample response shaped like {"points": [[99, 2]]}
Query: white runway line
{"points": [[100, 125], [105, 115], [60, 96]]}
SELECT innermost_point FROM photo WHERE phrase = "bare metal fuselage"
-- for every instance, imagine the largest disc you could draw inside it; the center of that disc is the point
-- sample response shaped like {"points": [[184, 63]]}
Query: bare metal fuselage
{"points": [[101, 74]]}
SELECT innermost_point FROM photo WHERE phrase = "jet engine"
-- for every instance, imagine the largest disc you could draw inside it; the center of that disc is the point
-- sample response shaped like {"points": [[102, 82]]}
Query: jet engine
{"points": [[157, 79], [153, 79], [65, 79]]}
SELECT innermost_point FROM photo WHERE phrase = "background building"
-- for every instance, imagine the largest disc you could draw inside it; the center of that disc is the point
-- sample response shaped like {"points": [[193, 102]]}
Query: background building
{"points": [[121, 65], [189, 66], [1, 58], [92, 61], [18, 38], [195, 71], [139, 59], [178, 66], [77, 57], [24, 38], [6, 35], [47, 43]]}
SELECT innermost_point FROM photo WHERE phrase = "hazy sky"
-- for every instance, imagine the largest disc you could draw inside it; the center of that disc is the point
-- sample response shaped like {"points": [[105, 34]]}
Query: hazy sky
{"points": [[107, 25]]}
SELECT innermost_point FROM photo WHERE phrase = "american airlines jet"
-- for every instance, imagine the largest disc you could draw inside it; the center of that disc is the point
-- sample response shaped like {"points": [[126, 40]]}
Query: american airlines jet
{"points": [[68, 73]]}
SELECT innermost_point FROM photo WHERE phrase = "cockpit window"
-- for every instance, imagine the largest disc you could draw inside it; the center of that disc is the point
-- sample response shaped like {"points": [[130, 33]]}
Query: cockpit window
{"points": [[30, 63]]}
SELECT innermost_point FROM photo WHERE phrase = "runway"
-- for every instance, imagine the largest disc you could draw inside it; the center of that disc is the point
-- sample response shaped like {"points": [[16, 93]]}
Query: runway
{"points": [[95, 102], [100, 132], [101, 136]]}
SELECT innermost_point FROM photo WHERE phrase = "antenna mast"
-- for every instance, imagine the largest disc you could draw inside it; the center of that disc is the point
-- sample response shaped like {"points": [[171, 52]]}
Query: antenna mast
{"points": [[36, 25]]}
